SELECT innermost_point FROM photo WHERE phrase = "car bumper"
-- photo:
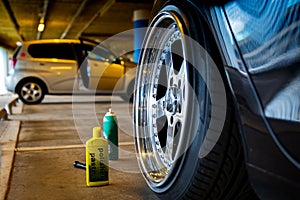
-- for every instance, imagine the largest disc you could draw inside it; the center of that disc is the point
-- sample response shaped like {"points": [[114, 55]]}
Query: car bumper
{"points": [[10, 83]]}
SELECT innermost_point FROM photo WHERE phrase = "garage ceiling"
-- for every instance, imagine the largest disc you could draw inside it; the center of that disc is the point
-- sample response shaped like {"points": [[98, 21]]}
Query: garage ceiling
{"points": [[94, 19]]}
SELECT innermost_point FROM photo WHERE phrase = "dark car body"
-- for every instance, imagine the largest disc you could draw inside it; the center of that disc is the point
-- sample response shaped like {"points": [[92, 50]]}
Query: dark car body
{"points": [[266, 84], [259, 41]]}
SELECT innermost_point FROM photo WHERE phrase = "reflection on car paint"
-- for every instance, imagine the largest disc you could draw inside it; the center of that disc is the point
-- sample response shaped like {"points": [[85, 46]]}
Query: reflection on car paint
{"points": [[270, 49], [272, 56], [286, 104]]}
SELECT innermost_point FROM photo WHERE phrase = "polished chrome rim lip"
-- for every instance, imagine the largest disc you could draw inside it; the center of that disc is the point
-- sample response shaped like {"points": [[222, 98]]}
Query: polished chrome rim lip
{"points": [[156, 160], [31, 92]]}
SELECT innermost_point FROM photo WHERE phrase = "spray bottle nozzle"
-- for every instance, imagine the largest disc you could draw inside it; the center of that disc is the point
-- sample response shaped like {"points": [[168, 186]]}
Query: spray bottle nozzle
{"points": [[79, 165]]}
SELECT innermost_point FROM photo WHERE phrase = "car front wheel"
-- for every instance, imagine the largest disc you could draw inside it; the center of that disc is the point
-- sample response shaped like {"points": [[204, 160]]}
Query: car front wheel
{"points": [[186, 137]]}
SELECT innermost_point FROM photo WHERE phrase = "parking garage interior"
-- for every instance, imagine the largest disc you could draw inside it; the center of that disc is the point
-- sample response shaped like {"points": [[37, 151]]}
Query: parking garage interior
{"points": [[67, 19], [209, 110], [39, 143]]}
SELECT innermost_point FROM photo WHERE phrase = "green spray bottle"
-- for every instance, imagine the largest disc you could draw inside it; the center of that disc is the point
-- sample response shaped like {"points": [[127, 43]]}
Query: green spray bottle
{"points": [[110, 132], [97, 165]]}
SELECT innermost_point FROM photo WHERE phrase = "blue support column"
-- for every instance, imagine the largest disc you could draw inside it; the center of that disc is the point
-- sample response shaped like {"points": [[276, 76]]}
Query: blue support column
{"points": [[140, 22]]}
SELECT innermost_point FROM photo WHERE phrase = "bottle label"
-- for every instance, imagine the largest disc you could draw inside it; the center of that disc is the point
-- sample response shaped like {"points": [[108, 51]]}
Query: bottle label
{"points": [[110, 131], [98, 169]]}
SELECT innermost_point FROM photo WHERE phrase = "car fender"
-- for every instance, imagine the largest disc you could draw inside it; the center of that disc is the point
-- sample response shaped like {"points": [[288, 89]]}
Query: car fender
{"points": [[28, 74]]}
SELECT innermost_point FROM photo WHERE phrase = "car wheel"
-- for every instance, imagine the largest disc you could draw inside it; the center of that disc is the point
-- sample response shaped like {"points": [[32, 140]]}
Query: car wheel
{"points": [[31, 91], [186, 137]]}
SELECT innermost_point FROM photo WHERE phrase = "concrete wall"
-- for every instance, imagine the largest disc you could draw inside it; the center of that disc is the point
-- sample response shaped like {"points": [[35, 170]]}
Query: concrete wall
{"points": [[3, 69]]}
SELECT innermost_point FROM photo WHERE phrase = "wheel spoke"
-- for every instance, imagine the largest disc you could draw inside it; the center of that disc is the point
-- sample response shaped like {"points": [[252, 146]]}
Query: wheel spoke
{"points": [[170, 74], [25, 89], [181, 84], [26, 96], [170, 143], [36, 92], [168, 59], [160, 108], [181, 74]]}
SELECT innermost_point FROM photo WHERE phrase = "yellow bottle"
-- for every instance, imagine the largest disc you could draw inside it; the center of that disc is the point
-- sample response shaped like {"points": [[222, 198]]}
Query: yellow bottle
{"points": [[97, 166]]}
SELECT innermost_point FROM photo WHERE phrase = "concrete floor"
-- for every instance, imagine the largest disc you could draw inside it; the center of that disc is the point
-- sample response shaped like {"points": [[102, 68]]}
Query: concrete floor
{"points": [[52, 136]]}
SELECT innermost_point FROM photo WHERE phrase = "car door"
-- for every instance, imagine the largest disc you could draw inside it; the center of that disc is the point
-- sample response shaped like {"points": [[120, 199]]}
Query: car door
{"points": [[104, 71]]}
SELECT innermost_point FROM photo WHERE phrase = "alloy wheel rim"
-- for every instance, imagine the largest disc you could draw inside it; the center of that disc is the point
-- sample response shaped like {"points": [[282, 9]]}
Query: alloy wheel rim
{"points": [[161, 103], [167, 107], [31, 92]]}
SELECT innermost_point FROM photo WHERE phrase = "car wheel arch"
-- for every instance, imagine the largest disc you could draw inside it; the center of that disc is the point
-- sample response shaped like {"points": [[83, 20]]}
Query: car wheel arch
{"points": [[32, 78]]}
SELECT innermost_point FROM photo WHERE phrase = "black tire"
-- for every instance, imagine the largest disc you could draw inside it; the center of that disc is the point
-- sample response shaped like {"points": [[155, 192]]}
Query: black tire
{"points": [[186, 135], [31, 91]]}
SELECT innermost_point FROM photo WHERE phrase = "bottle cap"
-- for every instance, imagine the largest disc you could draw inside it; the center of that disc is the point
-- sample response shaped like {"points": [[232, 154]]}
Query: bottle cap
{"points": [[97, 132], [110, 113]]}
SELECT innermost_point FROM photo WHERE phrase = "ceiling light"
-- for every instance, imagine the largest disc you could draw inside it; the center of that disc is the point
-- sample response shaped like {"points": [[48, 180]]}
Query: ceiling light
{"points": [[41, 27], [19, 43]]}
